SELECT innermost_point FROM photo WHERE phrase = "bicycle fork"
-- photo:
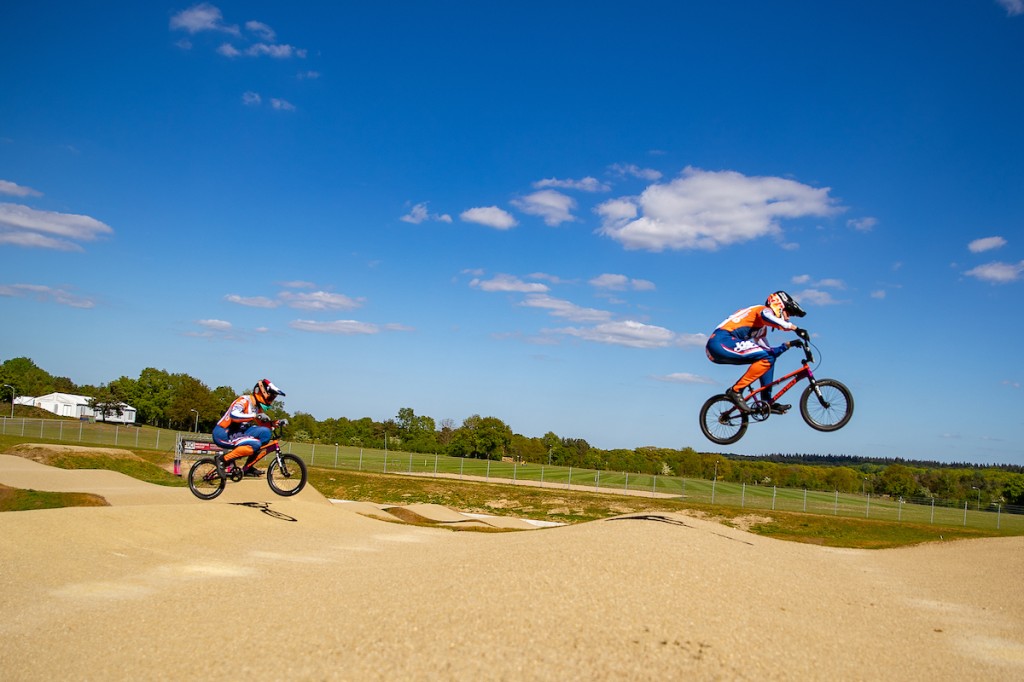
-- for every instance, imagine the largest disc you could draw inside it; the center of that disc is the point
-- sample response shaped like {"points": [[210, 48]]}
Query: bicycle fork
{"points": [[817, 391]]}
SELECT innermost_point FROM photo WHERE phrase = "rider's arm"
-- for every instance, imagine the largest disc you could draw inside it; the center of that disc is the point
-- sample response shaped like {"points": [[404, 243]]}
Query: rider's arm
{"points": [[770, 319], [242, 411]]}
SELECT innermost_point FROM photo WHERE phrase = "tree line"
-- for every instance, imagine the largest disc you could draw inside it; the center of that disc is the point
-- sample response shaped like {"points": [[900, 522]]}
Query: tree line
{"points": [[180, 401]]}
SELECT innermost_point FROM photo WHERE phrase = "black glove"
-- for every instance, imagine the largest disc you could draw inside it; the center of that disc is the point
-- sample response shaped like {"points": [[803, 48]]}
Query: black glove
{"points": [[802, 333], [263, 418], [796, 344]]}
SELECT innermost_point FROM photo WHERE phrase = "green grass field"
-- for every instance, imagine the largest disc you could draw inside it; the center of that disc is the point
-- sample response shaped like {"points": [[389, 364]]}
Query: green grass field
{"points": [[562, 494]]}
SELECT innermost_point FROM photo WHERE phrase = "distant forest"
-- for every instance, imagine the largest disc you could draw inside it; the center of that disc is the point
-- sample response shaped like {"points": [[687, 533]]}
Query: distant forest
{"points": [[173, 400]]}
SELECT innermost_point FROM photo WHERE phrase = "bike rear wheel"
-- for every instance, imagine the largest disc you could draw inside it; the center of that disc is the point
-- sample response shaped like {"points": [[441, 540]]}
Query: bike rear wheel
{"points": [[721, 421], [826, 405], [286, 475], [203, 479]]}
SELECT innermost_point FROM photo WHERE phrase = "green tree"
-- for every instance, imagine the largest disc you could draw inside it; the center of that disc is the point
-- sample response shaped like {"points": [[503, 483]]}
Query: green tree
{"points": [[898, 480]]}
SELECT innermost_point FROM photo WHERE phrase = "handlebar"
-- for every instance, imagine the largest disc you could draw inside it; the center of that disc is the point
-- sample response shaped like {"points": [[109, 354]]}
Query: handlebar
{"points": [[806, 345]]}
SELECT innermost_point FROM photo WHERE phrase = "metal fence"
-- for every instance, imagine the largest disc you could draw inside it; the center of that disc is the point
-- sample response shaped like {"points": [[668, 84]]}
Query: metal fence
{"points": [[967, 513]]}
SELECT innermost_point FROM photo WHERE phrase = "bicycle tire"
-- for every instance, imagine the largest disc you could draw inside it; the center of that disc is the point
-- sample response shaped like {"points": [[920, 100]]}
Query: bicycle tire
{"points": [[204, 481], [830, 413], [721, 421], [287, 475]]}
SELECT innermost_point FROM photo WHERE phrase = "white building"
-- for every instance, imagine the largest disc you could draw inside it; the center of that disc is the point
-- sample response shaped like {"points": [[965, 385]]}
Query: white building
{"points": [[68, 405]]}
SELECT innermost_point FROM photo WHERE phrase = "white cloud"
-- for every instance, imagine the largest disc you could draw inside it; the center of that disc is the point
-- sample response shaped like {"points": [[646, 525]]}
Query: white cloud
{"points": [[587, 184], [566, 309], [862, 224], [631, 334], [998, 273], [215, 325], [281, 51], [206, 17], [16, 190], [685, 378], [554, 207], [491, 216], [307, 75], [251, 98], [815, 297], [320, 300], [262, 30], [1013, 7], [201, 17], [801, 279], [43, 293], [281, 104], [24, 226], [632, 170], [419, 214], [708, 210], [878, 293], [297, 284], [502, 282], [621, 283], [252, 301], [986, 244], [342, 327]]}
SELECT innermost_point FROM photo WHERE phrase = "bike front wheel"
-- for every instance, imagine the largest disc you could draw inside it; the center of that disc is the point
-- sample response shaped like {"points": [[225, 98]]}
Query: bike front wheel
{"points": [[286, 475], [721, 421], [203, 479], [826, 405]]}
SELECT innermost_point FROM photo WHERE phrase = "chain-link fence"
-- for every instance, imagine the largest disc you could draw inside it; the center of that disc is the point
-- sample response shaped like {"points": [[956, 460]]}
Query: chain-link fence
{"points": [[968, 513]]}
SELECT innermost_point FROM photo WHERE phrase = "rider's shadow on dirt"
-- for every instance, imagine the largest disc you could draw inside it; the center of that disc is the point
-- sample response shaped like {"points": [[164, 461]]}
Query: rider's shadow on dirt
{"points": [[265, 508]]}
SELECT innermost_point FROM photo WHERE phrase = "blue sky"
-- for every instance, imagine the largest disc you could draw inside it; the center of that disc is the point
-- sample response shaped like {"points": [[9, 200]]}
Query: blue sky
{"points": [[536, 211]]}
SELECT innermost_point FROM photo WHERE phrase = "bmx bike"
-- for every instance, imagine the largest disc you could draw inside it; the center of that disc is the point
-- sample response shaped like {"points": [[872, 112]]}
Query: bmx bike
{"points": [[286, 473], [825, 404]]}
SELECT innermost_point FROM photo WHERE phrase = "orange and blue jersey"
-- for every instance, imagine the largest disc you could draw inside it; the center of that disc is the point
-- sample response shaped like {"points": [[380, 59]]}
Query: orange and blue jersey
{"points": [[238, 426], [742, 339], [244, 409]]}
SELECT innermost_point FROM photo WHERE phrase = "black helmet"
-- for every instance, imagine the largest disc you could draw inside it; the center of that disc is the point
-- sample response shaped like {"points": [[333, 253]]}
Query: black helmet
{"points": [[784, 305], [265, 391]]}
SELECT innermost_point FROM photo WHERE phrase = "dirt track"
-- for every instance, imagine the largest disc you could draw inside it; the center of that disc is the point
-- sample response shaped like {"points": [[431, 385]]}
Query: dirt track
{"points": [[168, 587]]}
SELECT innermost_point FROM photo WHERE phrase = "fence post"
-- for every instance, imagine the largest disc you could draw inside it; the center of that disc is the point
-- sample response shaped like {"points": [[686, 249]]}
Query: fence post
{"points": [[805, 499], [335, 455], [462, 462], [360, 459], [312, 455], [835, 510], [435, 466], [933, 511], [626, 486], [774, 490], [965, 513], [385, 461], [541, 475], [569, 483], [743, 494], [597, 480], [998, 514], [410, 462]]}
